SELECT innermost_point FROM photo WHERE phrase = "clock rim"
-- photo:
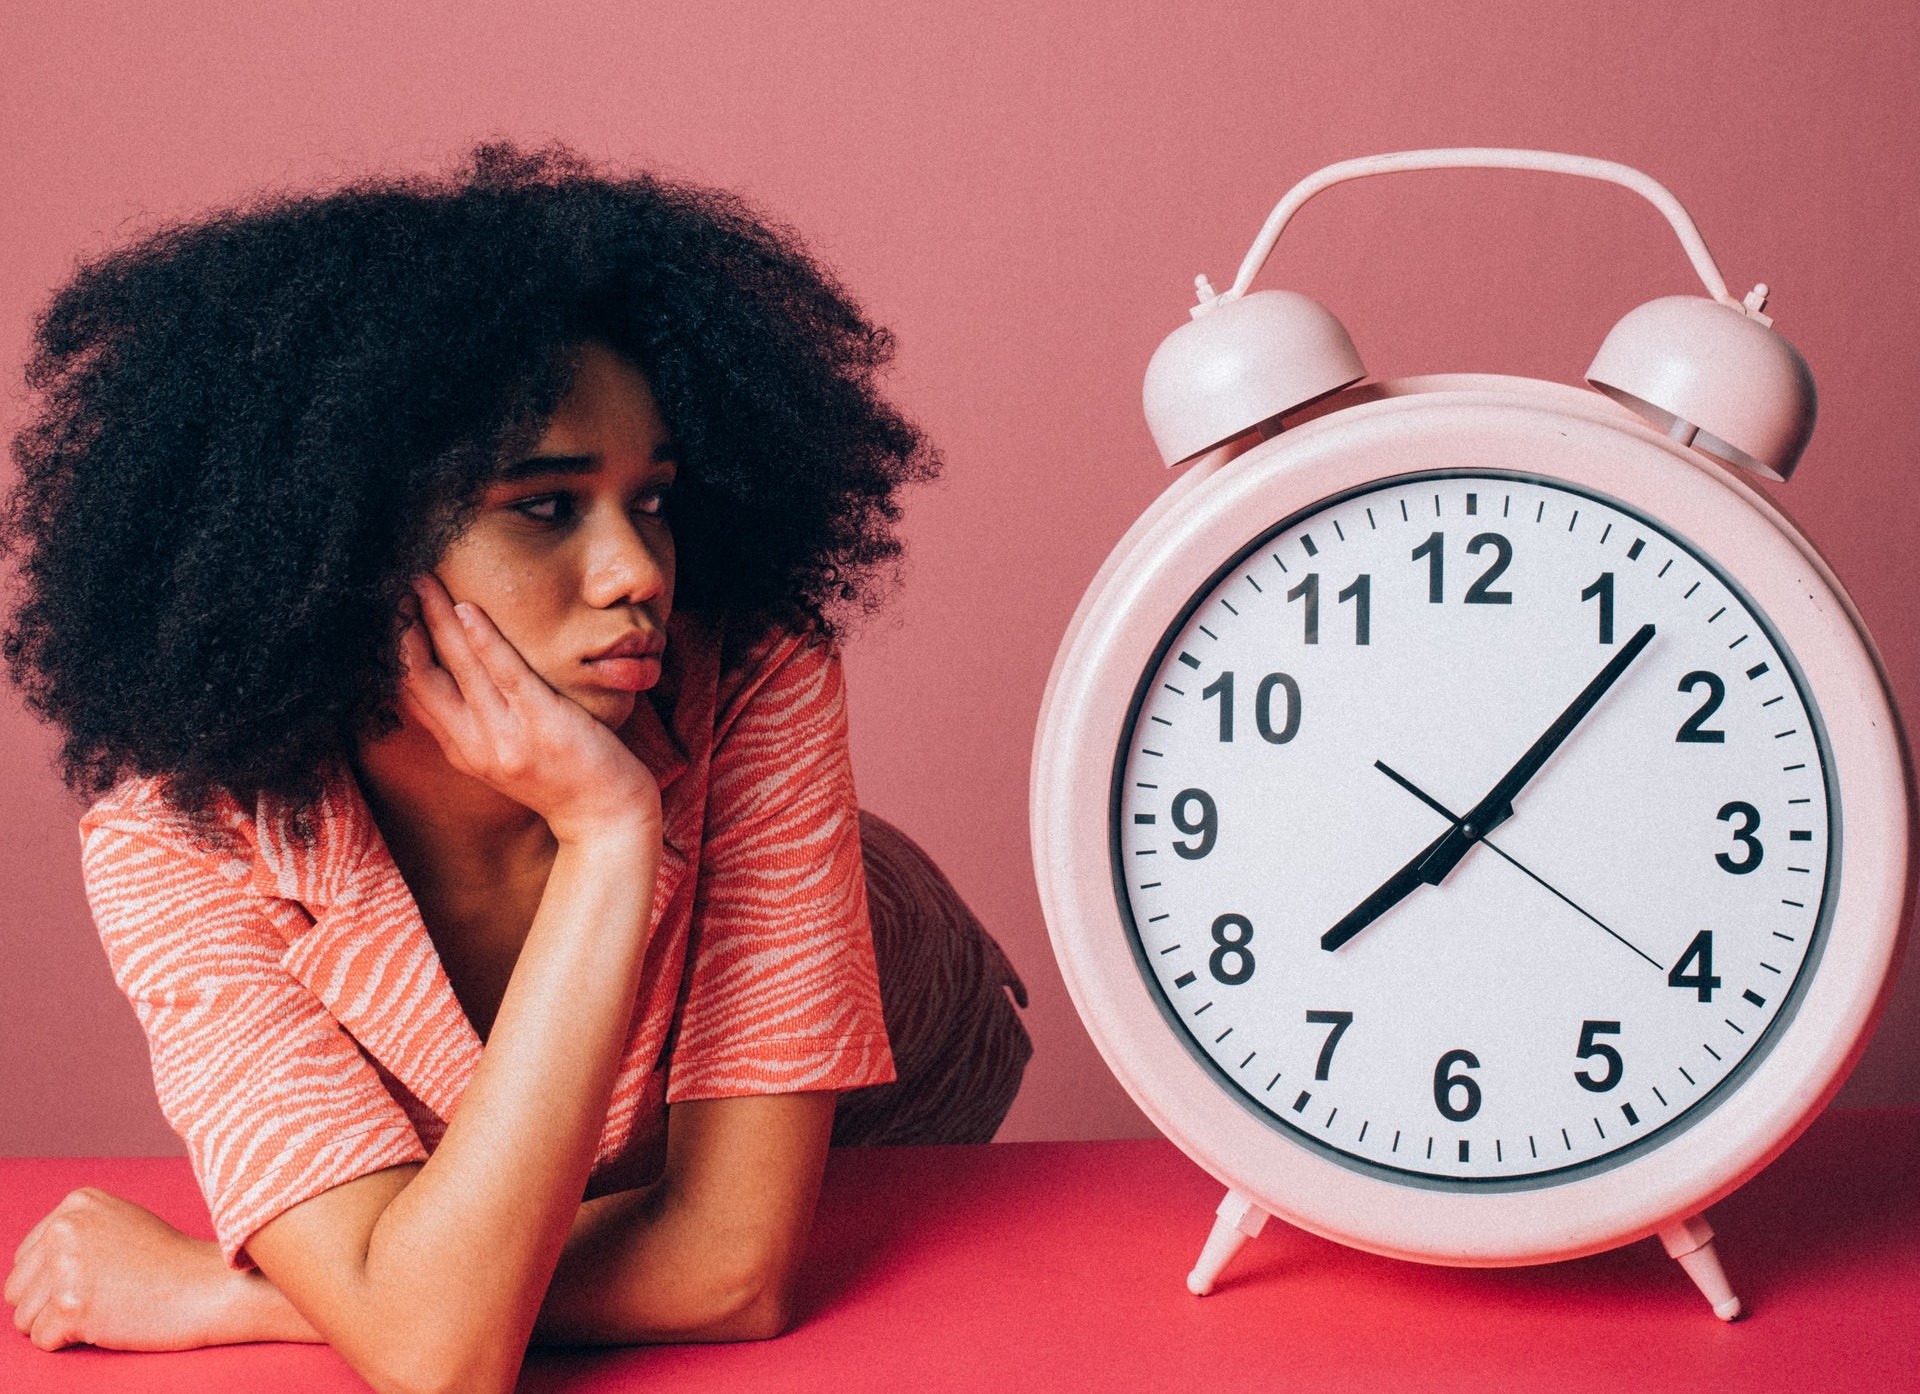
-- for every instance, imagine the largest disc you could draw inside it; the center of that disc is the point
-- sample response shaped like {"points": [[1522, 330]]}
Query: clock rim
{"points": [[1151, 573]]}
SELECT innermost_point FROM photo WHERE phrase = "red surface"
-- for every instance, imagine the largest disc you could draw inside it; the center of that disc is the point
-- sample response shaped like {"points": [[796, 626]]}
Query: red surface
{"points": [[1023, 192], [1045, 1266]]}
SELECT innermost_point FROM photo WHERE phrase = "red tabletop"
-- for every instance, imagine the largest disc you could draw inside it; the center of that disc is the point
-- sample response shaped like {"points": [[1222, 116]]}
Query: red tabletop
{"points": [[1060, 1266]]}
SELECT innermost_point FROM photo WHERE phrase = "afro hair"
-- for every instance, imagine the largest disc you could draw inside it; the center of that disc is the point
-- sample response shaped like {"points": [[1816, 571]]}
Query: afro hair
{"points": [[252, 430]]}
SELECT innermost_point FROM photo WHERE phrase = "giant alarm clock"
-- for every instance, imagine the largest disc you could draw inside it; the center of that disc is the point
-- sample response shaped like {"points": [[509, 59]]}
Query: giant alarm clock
{"points": [[1472, 822]]}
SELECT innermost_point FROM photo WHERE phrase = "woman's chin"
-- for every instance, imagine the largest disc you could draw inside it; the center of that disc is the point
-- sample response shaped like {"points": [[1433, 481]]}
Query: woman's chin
{"points": [[609, 706]]}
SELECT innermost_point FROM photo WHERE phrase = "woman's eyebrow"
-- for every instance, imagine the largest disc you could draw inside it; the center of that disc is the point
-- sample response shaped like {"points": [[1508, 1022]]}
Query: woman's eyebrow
{"points": [[535, 465]]}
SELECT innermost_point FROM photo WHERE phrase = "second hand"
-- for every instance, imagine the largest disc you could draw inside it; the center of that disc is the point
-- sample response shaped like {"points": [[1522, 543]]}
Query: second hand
{"points": [[1488, 843]]}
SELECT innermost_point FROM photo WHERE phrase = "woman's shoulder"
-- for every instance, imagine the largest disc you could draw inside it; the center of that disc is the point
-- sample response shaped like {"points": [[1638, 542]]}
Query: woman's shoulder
{"points": [[281, 845], [143, 806], [774, 669]]}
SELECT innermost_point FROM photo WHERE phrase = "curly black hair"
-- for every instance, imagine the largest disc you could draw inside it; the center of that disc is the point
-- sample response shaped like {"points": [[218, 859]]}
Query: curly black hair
{"points": [[254, 428]]}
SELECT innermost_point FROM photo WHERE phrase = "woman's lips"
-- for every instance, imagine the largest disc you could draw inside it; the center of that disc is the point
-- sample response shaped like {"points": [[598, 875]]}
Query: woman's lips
{"points": [[630, 663], [625, 674]]}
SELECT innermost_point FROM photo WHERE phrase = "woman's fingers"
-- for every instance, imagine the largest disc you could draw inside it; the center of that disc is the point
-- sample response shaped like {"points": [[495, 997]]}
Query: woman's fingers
{"points": [[455, 650], [28, 1313], [52, 1327], [423, 679], [29, 1290], [26, 1244], [22, 1291], [500, 658], [491, 713]]}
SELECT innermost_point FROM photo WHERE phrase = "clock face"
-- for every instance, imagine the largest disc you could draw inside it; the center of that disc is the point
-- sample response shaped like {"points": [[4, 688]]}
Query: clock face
{"points": [[1475, 830]]}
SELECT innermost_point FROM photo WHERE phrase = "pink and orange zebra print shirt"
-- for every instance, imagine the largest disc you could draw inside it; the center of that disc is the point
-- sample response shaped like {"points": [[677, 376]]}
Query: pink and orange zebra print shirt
{"points": [[302, 1029]]}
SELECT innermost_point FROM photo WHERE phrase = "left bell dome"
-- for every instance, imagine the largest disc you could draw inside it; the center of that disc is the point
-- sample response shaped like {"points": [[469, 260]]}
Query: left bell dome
{"points": [[1240, 363]]}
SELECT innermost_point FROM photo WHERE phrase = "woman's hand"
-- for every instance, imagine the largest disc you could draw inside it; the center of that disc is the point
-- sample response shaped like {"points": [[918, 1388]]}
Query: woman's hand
{"points": [[104, 1271], [499, 721]]}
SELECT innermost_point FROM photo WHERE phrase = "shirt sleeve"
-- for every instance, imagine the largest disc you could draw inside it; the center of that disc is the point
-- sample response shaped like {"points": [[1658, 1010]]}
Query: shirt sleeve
{"points": [[273, 1099], [782, 993]]}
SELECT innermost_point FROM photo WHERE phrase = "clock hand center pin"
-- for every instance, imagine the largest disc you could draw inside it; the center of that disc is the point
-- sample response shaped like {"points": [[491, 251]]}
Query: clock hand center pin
{"points": [[1437, 861]]}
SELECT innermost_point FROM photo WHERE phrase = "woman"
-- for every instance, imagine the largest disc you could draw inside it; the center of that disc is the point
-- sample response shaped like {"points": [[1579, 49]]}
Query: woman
{"points": [[434, 583]]}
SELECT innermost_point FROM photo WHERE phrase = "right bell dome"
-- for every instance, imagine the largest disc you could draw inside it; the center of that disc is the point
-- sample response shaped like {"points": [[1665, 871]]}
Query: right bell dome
{"points": [[1714, 378]]}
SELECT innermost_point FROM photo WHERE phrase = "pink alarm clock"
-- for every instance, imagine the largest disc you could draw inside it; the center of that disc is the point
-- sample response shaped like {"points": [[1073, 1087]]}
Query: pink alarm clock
{"points": [[1472, 822]]}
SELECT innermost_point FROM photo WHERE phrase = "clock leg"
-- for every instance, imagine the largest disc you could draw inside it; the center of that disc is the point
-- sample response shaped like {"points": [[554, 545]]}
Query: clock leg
{"points": [[1236, 1221], [1691, 1242]]}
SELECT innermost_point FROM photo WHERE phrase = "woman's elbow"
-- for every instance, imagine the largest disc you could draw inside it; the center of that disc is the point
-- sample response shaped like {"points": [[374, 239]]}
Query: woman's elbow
{"points": [[767, 1315], [750, 1300], [455, 1365], [449, 1378]]}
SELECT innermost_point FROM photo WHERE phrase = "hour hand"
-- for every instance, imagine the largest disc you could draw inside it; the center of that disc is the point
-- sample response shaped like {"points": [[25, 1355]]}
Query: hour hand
{"points": [[1429, 868]]}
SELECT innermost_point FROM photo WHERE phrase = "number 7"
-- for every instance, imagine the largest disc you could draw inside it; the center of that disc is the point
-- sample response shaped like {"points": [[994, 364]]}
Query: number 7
{"points": [[1339, 1021]]}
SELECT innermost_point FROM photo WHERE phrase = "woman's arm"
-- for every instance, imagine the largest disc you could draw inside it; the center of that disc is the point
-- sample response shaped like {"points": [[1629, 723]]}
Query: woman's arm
{"points": [[431, 1279], [708, 1253]]}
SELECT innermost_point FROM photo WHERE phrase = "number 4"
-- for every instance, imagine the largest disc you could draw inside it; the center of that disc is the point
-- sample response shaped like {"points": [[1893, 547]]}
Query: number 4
{"points": [[1702, 981]]}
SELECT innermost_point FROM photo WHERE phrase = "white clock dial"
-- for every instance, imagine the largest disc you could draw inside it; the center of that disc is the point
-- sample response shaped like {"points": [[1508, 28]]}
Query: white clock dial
{"points": [[1590, 975]]}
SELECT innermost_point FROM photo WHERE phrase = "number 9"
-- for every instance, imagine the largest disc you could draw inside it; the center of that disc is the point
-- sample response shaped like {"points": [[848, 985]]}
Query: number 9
{"points": [[1207, 827]]}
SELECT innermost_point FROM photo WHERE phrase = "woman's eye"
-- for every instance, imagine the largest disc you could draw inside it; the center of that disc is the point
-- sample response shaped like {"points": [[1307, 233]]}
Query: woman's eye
{"points": [[545, 508], [654, 501]]}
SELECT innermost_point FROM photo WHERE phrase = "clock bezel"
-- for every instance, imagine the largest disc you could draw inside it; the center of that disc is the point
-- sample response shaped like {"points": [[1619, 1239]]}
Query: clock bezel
{"points": [[1512, 424], [1553, 1176]]}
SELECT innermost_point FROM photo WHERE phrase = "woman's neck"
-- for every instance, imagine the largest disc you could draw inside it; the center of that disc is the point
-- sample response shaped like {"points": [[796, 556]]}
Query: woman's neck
{"points": [[446, 830]]}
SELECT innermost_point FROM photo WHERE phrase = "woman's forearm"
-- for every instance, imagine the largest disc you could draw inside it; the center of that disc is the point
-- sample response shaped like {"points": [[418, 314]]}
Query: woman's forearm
{"points": [[640, 1271], [462, 1257], [580, 1306]]}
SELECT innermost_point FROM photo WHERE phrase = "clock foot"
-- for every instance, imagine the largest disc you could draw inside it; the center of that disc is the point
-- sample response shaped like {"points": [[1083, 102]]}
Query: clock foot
{"points": [[1691, 1243], [1236, 1221]]}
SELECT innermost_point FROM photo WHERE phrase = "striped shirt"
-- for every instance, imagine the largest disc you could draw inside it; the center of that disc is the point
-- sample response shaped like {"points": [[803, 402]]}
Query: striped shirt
{"points": [[303, 1031]]}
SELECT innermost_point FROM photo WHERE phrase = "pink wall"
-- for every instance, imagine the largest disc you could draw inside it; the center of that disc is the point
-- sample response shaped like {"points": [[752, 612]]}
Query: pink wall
{"points": [[1024, 192]]}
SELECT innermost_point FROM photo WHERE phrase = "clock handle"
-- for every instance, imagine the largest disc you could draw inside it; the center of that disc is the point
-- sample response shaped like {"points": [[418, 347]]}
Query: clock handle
{"points": [[1236, 1221], [1691, 1243], [1480, 157]]}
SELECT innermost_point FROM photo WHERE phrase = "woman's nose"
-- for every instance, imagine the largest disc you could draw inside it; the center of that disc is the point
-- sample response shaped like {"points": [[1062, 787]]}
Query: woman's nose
{"points": [[622, 566]]}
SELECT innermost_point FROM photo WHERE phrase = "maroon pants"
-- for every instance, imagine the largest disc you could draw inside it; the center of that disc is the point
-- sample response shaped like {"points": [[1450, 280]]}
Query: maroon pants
{"points": [[959, 1049]]}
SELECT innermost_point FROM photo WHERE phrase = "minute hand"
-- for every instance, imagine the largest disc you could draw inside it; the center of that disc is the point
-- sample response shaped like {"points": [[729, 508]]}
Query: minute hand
{"points": [[1438, 859]]}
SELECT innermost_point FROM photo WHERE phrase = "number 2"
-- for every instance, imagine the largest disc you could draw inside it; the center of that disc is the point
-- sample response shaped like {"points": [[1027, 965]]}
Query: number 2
{"points": [[1694, 731]]}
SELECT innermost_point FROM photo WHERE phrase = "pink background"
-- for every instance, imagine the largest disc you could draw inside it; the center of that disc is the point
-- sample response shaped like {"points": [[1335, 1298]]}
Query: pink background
{"points": [[1024, 193]]}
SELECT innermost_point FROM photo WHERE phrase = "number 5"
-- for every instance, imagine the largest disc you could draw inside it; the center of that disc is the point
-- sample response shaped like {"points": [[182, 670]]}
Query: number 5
{"points": [[1590, 1049]]}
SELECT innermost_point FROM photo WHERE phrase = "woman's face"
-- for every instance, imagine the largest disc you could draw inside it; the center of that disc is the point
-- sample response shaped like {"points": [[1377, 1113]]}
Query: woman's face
{"points": [[570, 552]]}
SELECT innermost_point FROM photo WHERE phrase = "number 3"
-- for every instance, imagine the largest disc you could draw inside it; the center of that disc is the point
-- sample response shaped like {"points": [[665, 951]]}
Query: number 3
{"points": [[1749, 817]]}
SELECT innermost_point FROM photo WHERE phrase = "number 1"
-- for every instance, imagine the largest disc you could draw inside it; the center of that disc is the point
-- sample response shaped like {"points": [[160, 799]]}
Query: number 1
{"points": [[1359, 593], [1309, 590], [1602, 589]]}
